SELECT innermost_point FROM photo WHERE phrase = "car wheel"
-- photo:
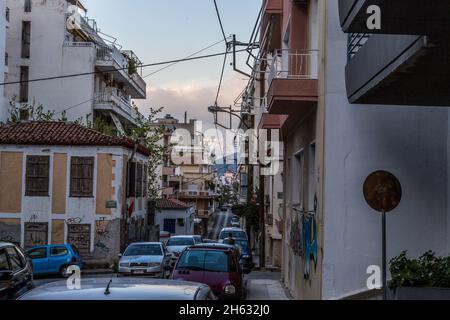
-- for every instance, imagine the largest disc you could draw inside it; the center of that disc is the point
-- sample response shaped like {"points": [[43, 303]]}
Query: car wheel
{"points": [[63, 271]]}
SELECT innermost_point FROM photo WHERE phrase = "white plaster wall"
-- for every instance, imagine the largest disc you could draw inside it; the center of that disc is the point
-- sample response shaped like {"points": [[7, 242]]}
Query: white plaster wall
{"points": [[411, 142], [3, 110], [49, 57], [186, 214], [38, 209]]}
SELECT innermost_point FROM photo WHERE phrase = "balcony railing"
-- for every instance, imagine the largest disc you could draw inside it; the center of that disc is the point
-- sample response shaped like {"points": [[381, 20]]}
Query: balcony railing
{"points": [[112, 97], [196, 193], [294, 64]]}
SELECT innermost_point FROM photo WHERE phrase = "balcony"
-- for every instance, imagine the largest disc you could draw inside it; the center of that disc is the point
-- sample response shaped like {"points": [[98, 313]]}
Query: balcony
{"points": [[399, 70], [111, 101], [403, 17], [112, 60], [272, 121], [271, 24], [204, 214], [189, 194], [293, 84]]}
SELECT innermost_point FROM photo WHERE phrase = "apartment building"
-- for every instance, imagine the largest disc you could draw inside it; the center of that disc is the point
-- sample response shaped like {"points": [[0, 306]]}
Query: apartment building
{"points": [[4, 24], [56, 38], [63, 183], [353, 104], [187, 174]]}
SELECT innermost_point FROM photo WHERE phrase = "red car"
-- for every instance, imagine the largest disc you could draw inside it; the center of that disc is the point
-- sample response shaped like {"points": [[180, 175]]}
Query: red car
{"points": [[216, 265]]}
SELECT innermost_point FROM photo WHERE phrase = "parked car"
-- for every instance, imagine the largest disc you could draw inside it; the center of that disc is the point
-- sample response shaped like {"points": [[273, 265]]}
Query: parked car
{"points": [[237, 233], [146, 258], [176, 244], [129, 289], [209, 241], [235, 222], [16, 274], [216, 265], [54, 259]]}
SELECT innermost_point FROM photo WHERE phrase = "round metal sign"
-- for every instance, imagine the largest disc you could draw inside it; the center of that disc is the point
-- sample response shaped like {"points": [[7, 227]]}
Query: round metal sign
{"points": [[382, 191]]}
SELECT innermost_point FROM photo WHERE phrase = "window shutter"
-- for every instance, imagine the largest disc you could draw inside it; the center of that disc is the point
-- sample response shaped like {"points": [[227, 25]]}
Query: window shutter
{"points": [[37, 176]]}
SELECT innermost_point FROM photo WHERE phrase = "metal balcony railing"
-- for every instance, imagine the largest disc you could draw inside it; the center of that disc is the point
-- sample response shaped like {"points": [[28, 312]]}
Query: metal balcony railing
{"points": [[111, 96], [294, 64], [355, 42]]}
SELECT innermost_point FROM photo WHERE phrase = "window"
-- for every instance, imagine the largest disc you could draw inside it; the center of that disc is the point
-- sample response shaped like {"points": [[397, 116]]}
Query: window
{"points": [[58, 251], [38, 253], [26, 39], [27, 7], [15, 260], [4, 265], [132, 180], [139, 180], [24, 77], [81, 176], [297, 180], [169, 226], [37, 176]]}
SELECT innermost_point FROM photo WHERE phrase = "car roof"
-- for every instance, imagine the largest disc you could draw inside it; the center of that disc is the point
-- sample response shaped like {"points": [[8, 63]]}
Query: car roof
{"points": [[186, 236], [144, 243], [6, 244], [217, 246], [232, 229], [120, 289]]}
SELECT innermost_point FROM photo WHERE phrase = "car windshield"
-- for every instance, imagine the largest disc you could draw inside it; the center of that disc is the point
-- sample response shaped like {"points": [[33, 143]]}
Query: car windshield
{"points": [[237, 234], [180, 242], [207, 260], [143, 250]]}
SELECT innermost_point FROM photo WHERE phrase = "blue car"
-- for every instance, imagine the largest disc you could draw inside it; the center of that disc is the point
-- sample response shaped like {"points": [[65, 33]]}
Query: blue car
{"points": [[54, 259], [246, 253]]}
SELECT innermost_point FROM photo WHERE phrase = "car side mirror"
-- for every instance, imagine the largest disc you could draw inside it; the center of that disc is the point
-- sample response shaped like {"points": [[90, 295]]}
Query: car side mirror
{"points": [[6, 275], [120, 255]]}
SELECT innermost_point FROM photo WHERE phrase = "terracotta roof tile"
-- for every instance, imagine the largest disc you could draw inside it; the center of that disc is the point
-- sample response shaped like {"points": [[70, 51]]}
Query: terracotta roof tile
{"points": [[171, 204], [61, 134]]}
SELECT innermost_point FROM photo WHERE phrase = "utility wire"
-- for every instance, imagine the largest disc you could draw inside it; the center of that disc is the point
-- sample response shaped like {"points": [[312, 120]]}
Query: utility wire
{"points": [[124, 68], [189, 56]]}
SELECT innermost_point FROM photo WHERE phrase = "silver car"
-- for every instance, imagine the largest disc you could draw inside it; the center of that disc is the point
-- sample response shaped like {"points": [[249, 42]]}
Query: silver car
{"points": [[145, 258], [129, 289], [177, 244]]}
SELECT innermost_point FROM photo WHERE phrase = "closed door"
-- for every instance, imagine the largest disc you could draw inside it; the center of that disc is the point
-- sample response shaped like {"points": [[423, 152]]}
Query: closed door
{"points": [[170, 225], [59, 256], [39, 257]]}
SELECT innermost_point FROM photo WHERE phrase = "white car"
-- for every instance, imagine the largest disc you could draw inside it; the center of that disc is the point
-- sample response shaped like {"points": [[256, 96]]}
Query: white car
{"points": [[145, 258], [177, 244]]}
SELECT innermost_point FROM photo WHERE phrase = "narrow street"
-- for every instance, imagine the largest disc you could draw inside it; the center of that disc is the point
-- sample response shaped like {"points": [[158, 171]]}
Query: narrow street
{"points": [[218, 221]]}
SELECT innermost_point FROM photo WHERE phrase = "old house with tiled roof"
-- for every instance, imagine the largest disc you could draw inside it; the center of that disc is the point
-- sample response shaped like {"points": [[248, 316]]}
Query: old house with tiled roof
{"points": [[64, 183], [175, 217]]}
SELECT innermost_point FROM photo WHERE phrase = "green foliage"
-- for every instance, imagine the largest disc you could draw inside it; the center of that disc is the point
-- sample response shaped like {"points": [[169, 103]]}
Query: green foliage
{"points": [[228, 195], [132, 66], [30, 112], [249, 211], [426, 271]]}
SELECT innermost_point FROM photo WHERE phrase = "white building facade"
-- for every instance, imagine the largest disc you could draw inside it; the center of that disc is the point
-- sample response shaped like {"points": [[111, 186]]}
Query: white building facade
{"points": [[56, 38]]}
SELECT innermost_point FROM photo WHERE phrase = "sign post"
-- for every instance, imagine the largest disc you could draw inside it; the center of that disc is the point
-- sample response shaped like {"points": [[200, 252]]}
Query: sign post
{"points": [[383, 193]]}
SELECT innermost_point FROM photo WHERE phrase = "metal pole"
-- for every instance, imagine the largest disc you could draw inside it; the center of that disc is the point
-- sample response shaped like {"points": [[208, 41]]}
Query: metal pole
{"points": [[384, 256]]}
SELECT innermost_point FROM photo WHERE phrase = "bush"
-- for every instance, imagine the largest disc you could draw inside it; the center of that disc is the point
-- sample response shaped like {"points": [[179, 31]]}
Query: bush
{"points": [[426, 271]]}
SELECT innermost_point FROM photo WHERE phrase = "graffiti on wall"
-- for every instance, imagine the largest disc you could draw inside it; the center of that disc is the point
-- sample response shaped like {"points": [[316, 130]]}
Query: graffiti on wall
{"points": [[102, 236], [80, 236], [309, 236], [36, 234]]}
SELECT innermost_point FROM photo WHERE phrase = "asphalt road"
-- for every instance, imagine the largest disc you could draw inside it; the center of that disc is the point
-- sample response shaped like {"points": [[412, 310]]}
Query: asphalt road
{"points": [[220, 220]]}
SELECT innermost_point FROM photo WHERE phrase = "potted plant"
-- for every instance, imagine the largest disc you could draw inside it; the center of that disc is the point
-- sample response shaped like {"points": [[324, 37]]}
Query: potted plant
{"points": [[424, 278]]}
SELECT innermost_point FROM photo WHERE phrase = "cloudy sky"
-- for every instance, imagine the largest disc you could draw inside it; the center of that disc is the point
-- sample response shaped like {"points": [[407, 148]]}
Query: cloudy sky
{"points": [[162, 30]]}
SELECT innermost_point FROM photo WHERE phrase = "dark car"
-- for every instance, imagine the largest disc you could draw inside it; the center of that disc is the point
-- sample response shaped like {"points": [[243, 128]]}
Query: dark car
{"points": [[128, 289], [16, 272], [216, 265], [246, 253]]}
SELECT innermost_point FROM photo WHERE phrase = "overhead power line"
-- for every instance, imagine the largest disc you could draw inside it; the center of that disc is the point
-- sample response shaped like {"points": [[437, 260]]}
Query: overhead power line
{"points": [[220, 20], [124, 68]]}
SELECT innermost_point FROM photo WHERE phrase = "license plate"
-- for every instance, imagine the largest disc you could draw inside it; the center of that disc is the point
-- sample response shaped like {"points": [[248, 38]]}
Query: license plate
{"points": [[138, 272]]}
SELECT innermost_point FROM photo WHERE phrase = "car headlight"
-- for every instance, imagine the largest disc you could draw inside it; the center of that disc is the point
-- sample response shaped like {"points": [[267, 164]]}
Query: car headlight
{"points": [[230, 289], [124, 264]]}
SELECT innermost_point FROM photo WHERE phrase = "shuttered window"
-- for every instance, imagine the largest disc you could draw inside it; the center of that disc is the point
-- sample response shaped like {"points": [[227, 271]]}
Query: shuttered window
{"points": [[37, 176], [82, 177], [132, 180], [139, 180]]}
